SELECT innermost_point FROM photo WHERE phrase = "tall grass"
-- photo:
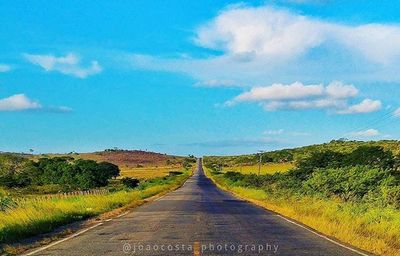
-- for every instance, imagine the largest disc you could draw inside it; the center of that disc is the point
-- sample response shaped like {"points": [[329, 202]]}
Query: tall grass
{"points": [[34, 216], [373, 229]]}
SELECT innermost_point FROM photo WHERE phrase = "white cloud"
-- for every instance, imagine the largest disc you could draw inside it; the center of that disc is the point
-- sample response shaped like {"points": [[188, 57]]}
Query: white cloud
{"points": [[260, 31], [260, 45], [271, 32], [68, 64], [4, 68], [366, 106], [281, 92], [20, 102], [338, 90], [335, 96], [366, 133]]}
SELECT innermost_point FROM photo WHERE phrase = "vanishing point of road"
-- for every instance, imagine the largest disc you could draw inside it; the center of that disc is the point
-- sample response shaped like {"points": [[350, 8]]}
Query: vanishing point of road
{"points": [[198, 219]]}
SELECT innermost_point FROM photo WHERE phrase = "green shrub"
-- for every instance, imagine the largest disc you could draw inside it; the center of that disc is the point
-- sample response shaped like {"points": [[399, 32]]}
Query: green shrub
{"points": [[234, 176], [346, 183], [130, 182]]}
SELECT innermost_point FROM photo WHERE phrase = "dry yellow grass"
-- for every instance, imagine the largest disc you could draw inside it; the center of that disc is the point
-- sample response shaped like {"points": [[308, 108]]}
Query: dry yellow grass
{"points": [[147, 172], [268, 168]]}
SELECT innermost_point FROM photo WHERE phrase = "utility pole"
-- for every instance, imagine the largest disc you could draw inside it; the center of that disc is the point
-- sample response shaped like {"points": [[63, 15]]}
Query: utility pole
{"points": [[259, 163]]}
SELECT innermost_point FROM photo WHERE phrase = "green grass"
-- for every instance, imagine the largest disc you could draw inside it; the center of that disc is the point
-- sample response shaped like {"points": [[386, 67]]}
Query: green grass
{"points": [[373, 229], [33, 216]]}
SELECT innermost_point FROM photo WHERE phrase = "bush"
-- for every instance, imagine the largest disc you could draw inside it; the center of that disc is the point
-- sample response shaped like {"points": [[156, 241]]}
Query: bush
{"points": [[347, 183], [130, 182], [234, 176], [172, 173], [6, 201], [188, 162]]}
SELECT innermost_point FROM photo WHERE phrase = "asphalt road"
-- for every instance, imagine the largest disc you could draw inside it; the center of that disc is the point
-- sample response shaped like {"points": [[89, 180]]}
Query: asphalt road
{"points": [[198, 219]]}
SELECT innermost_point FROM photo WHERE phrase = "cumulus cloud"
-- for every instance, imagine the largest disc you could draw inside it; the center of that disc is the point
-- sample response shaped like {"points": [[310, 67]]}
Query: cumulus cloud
{"points": [[20, 102], [264, 45], [4, 68], [366, 133], [272, 32], [335, 96], [366, 106], [338, 90], [281, 92], [69, 64]]}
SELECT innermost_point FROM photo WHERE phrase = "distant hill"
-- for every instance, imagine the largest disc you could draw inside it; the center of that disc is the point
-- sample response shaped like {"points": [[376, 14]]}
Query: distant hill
{"points": [[127, 158], [295, 154]]}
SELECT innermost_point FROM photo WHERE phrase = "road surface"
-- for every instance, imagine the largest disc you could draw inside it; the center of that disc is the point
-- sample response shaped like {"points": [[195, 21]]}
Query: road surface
{"points": [[198, 219]]}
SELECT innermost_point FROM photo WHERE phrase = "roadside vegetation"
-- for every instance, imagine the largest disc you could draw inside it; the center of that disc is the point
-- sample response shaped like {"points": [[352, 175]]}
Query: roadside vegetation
{"points": [[266, 168], [352, 195], [38, 195]]}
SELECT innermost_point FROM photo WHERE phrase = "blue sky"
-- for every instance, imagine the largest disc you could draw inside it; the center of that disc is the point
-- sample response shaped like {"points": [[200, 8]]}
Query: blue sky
{"points": [[197, 77]]}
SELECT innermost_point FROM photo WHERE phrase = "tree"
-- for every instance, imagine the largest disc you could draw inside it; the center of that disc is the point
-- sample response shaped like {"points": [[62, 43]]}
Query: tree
{"points": [[374, 156]]}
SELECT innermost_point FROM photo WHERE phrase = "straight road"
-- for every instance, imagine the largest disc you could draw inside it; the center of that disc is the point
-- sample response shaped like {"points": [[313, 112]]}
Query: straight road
{"points": [[198, 219]]}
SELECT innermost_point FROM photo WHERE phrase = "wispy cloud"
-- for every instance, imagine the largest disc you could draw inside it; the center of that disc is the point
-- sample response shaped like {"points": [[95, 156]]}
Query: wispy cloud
{"points": [[273, 132], [69, 64], [247, 142], [366, 133], [298, 96], [20, 102], [216, 83], [4, 68], [396, 113], [283, 132]]}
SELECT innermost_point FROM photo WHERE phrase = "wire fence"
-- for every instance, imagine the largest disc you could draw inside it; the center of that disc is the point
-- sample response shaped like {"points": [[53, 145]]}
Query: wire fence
{"points": [[62, 195]]}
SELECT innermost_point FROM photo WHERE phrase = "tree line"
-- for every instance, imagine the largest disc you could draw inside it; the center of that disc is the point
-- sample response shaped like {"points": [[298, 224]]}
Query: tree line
{"points": [[17, 171]]}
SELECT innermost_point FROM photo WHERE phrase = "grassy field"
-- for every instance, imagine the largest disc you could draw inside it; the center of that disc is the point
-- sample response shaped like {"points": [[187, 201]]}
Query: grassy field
{"points": [[373, 229], [35, 216], [268, 168], [147, 172]]}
